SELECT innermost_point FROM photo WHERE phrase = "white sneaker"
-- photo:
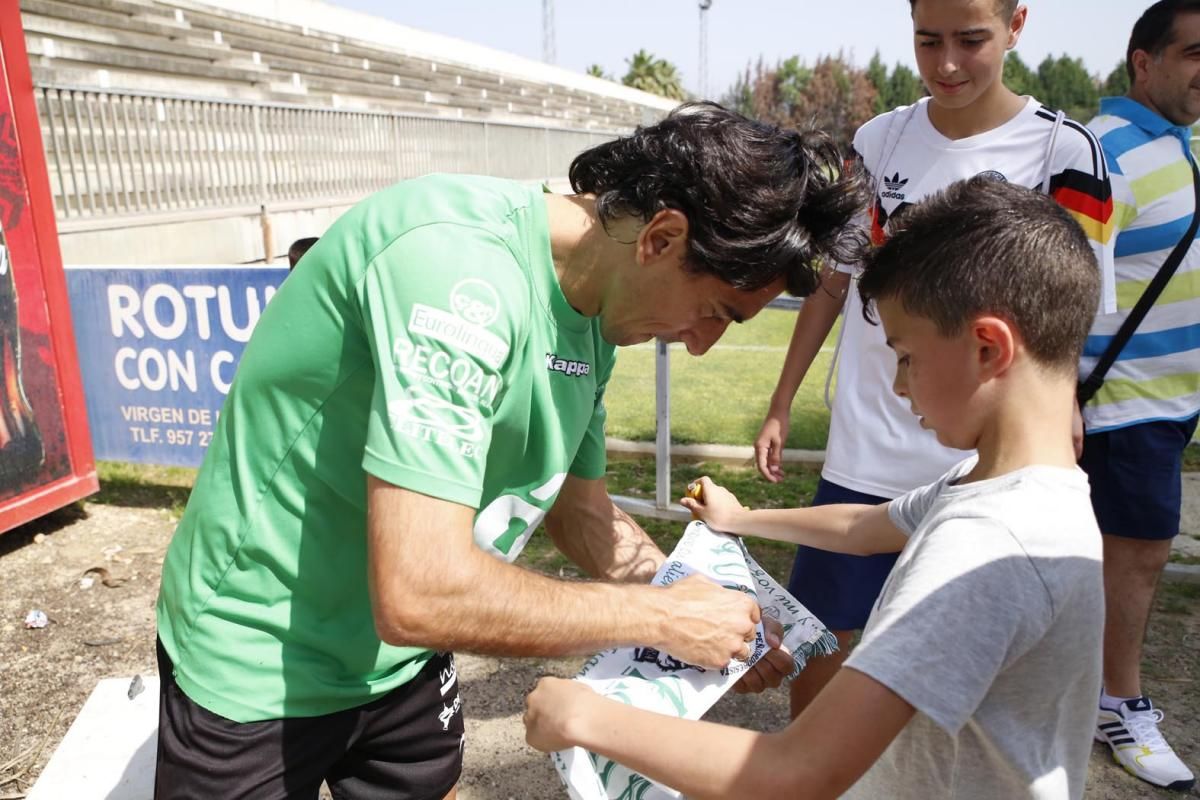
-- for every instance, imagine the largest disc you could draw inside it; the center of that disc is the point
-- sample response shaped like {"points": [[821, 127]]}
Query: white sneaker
{"points": [[1132, 733]]}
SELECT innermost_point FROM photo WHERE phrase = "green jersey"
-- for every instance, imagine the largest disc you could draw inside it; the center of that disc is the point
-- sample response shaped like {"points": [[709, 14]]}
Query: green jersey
{"points": [[424, 340]]}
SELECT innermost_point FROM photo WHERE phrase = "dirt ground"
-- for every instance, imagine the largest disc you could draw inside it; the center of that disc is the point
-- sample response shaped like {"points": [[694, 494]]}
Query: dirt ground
{"points": [[108, 631]]}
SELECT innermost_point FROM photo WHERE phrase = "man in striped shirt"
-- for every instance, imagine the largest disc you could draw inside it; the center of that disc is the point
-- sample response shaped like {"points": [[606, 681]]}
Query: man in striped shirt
{"points": [[1145, 413]]}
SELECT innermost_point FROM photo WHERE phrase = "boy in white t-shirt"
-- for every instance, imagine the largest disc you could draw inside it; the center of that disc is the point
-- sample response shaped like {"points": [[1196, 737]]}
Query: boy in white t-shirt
{"points": [[978, 671], [971, 124]]}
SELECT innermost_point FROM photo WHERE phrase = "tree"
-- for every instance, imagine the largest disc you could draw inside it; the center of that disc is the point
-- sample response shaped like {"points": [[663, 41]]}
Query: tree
{"points": [[877, 74], [740, 96], [901, 88], [597, 71], [1117, 82], [1020, 78], [1068, 86], [831, 95], [904, 87], [654, 75]]}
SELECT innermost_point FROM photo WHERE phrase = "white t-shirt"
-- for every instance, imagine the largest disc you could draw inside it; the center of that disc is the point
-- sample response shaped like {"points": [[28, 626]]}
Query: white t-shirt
{"points": [[876, 445], [991, 626]]}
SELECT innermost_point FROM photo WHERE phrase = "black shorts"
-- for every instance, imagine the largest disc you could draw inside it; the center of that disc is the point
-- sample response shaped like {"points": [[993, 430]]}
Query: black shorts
{"points": [[405, 745]]}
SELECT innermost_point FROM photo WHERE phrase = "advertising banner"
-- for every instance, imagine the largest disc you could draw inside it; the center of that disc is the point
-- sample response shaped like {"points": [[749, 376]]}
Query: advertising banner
{"points": [[45, 456], [158, 347]]}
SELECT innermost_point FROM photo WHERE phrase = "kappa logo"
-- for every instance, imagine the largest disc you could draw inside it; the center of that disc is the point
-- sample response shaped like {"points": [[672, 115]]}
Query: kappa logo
{"points": [[648, 655], [475, 301], [572, 369], [894, 186]]}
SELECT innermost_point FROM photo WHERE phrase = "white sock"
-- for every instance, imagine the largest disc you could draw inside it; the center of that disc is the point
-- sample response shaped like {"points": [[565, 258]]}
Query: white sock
{"points": [[1110, 703]]}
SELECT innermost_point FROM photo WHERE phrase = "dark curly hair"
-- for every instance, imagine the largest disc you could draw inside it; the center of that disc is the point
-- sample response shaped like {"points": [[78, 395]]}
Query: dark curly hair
{"points": [[762, 202]]}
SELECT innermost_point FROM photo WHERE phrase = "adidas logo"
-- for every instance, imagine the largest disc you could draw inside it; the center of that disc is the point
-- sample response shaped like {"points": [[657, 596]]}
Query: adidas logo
{"points": [[894, 186]]}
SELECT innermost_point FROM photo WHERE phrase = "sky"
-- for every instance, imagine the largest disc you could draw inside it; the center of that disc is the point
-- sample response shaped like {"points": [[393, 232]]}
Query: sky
{"points": [[607, 32]]}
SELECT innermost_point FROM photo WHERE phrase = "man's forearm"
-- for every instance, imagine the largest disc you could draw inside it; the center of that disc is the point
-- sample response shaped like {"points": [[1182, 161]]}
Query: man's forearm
{"points": [[484, 605], [432, 586], [606, 543]]}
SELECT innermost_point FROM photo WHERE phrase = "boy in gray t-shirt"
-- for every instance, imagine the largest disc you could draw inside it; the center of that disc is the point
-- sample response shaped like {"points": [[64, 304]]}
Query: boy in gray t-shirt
{"points": [[989, 626], [979, 667]]}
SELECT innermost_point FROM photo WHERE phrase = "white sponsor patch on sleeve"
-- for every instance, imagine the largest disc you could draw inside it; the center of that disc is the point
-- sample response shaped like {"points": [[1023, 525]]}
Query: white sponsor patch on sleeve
{"points": [[420, 415], [447, 328]]}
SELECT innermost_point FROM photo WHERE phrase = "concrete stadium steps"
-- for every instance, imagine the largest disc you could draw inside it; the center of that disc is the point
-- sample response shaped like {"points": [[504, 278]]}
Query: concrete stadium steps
{"points": [[190, 48], [141, 42], [118, 59], [331, 57], [104, 17], [233, 134]]}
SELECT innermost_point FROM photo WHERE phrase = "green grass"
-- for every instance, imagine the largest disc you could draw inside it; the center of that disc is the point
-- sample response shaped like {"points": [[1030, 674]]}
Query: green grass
{"points": [[145, 486], [1176, 597], [635, 478], [721, 397]]}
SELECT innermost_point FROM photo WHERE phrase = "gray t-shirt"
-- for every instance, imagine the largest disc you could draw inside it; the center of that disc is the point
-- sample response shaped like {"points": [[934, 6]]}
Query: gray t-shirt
{"points": [[990, 625]]}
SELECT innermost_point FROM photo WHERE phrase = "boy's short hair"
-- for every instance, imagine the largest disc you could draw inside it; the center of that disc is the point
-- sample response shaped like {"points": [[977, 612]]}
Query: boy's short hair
{"points": [[1004, 8], [298, 249], [1155, 29], [984, 246]]}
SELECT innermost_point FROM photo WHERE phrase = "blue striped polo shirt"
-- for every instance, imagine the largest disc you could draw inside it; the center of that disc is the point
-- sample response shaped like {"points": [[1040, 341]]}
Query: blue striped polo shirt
{"points": [[1157, 376]]}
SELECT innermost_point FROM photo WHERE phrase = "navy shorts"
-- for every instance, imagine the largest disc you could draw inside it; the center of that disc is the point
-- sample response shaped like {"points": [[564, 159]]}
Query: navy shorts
{"points": [[839, 589], [1135, 476]]}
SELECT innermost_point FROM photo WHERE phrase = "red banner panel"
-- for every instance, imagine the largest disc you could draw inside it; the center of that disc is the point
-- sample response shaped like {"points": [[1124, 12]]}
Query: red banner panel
{"points": [[45, 453]]}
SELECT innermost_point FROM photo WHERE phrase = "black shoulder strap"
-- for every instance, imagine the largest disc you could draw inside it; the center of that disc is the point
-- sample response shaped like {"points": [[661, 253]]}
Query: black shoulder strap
{"points": [[1088, 388]]}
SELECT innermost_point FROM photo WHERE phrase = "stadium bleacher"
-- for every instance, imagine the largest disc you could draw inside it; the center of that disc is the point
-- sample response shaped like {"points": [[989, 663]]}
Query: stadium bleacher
{"points": [[180, 131], [196, 49]]}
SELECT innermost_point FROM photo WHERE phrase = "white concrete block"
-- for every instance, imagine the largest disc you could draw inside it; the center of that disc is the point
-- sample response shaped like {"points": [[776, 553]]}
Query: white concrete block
{"points": [[109, 750]]}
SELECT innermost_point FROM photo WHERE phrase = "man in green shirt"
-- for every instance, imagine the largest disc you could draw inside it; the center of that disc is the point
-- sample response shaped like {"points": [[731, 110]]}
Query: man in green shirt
{"points": [[412, 405]]}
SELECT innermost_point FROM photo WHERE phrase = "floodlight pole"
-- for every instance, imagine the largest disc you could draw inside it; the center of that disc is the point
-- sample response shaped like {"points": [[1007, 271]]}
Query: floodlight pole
{"points": [[705, 5], [548, 54]]}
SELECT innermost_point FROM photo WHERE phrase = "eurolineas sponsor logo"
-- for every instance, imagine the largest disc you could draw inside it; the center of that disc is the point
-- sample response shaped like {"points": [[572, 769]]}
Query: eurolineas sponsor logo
{"points": [[449, 329]]}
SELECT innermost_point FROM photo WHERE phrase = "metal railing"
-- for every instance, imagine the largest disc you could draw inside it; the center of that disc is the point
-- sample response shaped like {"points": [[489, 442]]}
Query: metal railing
{"points": [[664, 506], [116, 153]]}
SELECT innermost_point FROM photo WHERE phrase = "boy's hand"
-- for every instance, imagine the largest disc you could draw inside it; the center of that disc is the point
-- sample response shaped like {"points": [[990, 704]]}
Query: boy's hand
{"points": [[774, 666], [715, 505], [552, 709]]}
